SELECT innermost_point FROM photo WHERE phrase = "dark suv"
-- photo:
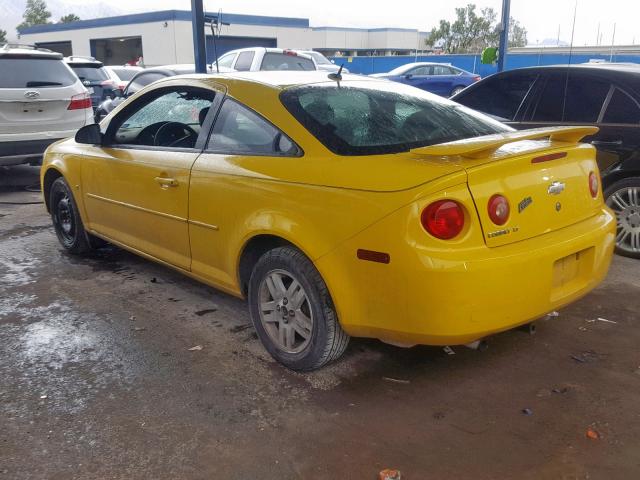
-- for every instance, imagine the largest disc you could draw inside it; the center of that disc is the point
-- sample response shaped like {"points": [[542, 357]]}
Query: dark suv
{"points": [[94, 77], [605, 95]]}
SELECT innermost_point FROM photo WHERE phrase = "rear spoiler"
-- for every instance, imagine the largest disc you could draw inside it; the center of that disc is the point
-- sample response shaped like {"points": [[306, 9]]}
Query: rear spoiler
{"points": [[486, 145]]}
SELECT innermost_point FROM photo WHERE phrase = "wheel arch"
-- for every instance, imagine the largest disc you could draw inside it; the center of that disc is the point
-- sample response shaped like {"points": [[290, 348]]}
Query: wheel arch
{"points": [[48, 177], [253, 248], [616, 176]]}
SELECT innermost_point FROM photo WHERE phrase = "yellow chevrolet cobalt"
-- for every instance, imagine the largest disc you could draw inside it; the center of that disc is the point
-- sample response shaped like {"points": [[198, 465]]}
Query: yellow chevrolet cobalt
{"points": [[339, 206]]}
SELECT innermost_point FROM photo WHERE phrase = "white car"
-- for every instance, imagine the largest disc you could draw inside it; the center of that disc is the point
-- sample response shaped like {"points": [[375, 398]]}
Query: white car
{"points": [[323, 63], [122, 74], [261, 58], [41, 101]]}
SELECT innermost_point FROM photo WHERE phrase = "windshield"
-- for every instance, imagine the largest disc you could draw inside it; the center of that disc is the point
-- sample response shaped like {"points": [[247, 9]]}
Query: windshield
{"points": [[34, 72], [125, 74], [366, 118], [284, 61], [319, 58], [90, 74]]}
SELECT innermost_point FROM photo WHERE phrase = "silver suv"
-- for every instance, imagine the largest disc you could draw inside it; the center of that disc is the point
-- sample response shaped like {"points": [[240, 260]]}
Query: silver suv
{"points": [[41, 101]]}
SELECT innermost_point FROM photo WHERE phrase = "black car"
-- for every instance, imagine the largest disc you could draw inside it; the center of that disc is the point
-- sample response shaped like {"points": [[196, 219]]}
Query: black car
{"points": [[605, 95], [94, 77], [138, 82]]}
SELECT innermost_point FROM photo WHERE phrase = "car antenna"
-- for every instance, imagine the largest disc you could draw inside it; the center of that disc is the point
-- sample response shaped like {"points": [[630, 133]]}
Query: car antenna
{"points": [[215, 22], [337, 76]]}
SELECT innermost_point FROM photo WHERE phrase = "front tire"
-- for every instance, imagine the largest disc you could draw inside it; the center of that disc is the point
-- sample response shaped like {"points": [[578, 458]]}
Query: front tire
{"points": [[623, 197], [66, 219], [292, 311]]}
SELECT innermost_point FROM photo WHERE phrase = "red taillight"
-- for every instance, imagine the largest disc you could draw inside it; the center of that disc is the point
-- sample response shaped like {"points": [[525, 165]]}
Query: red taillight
{"points": [[477, 78], [80, 102], [593, 184], [443, 219], [498, 209], [290, 52]]}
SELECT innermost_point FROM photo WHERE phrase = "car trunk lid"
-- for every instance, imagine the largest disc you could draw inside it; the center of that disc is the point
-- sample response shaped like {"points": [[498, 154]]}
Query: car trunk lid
{"points": [[39, 109], [543, 173]]}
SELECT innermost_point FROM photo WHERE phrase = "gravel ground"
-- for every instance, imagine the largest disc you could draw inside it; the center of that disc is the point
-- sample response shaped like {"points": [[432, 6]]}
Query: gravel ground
{"points": [[97, 382]]}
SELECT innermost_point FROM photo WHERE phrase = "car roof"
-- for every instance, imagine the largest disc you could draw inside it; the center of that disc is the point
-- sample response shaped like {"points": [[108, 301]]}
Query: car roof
{"points": [[22, 50], [282, 79], [421, 64], [624, 68], [300, 53], [76, 61]]}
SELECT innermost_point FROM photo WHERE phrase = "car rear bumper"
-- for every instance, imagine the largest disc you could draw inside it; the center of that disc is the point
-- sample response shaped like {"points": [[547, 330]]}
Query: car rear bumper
{"points": [[434, 298], [29, 148]]}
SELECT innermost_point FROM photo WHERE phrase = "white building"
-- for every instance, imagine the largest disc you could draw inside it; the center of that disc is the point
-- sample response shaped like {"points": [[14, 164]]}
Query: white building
{"points": [[165, 37]]}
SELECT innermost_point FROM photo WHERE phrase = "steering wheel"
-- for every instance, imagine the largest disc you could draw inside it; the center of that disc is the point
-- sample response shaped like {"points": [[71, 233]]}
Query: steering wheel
{"points": [[172, 133]]}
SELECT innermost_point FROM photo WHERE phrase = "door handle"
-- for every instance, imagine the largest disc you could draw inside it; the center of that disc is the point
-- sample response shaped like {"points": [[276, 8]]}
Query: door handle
{"points": [[605, 143], [166, 182]]}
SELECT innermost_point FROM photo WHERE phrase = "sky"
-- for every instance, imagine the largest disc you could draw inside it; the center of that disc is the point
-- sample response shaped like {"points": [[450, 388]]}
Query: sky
{"points": [[540, 17]]}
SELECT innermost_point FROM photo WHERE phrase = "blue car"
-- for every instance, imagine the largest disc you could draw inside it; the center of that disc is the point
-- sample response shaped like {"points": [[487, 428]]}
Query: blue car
{"points": [[439, 78]]}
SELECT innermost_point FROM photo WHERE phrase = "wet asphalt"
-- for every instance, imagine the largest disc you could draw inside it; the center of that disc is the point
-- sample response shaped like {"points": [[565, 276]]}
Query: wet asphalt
{"points": [[97, 381]]}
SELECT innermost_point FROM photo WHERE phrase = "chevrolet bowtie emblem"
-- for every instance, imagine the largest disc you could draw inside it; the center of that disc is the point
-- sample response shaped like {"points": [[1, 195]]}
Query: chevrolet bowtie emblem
{"points": [[556, 188]]}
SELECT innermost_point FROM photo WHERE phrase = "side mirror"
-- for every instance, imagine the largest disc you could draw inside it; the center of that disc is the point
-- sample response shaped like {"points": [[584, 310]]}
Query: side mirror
{"points": [[117, 93], [89, 134], [408, 76]]}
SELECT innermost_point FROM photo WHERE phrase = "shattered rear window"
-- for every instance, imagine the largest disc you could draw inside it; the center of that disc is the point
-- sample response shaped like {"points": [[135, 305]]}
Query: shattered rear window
{"points": [[368, 118]]}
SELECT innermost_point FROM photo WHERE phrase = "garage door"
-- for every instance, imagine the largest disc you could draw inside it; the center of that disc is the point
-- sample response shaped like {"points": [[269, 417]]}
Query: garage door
{"points": [[226, 44]]}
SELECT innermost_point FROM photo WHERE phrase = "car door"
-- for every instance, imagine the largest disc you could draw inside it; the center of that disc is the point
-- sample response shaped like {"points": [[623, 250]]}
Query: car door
{"points": [[418, 77], [501, 96], [583, 104], [136, 185], [225, 191], [618, 141], [441, 82]]}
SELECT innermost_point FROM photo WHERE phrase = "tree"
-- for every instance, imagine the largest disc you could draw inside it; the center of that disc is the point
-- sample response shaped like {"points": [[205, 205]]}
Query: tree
{"points": [[517, 34], [3, 36], [72, 17], [472, 32], [35, 13]]}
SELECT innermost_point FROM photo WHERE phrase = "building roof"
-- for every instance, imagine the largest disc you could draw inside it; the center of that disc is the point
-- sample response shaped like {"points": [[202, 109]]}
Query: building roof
{"points": [[164, 16], [185, 15]]}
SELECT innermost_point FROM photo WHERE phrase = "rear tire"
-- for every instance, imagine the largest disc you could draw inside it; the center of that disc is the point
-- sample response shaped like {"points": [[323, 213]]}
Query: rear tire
{"points": [[456, 90], [66, 219], [292, 311], [623, 197]]}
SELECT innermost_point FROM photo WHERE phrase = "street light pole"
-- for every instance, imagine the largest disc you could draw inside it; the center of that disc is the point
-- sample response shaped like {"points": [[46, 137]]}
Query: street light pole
{"points": [[199, 47], [504, 35]]}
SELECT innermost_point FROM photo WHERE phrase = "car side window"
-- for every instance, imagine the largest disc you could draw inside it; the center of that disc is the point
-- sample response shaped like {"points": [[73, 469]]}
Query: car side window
{"points": [[499, 96], [622, 108], [226, 60], [441, 70], [245, 59], [240, 131], [583, 103], [168, 119], [426, 70]]}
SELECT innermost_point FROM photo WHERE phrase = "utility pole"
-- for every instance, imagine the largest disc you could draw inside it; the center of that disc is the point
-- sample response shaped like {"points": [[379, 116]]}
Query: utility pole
{"points": [[504, 35], [199, 46]]}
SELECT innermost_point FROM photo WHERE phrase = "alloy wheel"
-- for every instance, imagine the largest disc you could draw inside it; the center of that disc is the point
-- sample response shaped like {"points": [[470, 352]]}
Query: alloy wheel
{"points": [[625, 202], [285, 311]]}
